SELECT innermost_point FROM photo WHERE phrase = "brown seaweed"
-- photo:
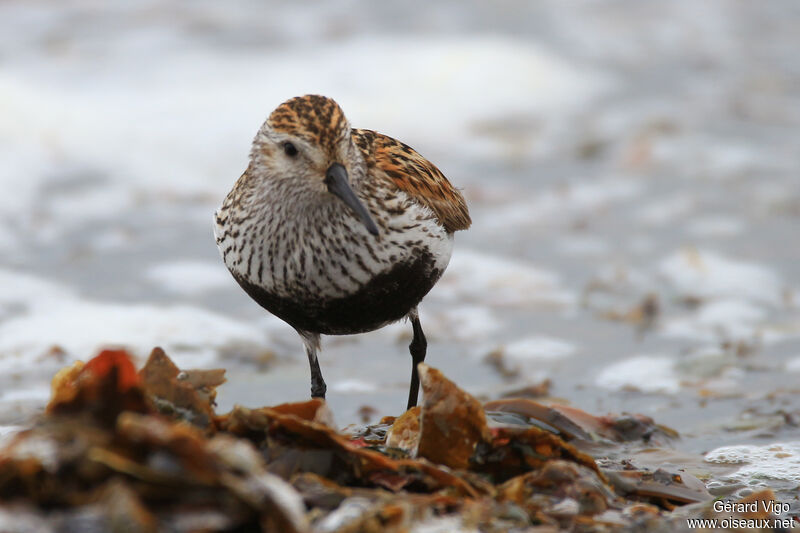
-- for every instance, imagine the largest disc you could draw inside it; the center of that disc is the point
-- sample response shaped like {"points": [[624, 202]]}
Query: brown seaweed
{"points": [[121, 450]]}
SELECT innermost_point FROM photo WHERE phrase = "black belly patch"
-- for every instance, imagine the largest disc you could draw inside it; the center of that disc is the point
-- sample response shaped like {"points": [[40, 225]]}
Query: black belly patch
{"points": [[385, 298]]}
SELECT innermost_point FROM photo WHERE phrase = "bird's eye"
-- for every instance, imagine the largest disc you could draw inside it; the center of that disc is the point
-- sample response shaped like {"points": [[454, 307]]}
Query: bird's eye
{"points": [[290, 149]]}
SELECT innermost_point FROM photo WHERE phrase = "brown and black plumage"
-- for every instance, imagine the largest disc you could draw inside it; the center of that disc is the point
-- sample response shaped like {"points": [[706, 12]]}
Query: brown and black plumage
{"points": [[337, 230]]}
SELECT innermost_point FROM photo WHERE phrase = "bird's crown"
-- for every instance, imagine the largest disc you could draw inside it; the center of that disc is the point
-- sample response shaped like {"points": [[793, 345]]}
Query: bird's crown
{"points": [[315, 119]]}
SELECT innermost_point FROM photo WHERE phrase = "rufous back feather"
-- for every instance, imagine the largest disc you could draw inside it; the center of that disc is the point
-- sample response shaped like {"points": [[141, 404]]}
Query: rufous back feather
{"points": [[411, 173]]}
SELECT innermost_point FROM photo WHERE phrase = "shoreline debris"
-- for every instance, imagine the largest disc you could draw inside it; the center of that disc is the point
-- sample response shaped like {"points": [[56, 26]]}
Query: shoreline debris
{"points": [[121, 450]]}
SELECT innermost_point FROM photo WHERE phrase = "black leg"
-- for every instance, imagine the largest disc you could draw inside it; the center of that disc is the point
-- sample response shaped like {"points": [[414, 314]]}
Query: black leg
{"points": [[318, 386], [417, 348]]}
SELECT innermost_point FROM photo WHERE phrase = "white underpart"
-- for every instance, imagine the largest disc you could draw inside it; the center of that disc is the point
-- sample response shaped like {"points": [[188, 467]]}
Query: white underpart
{"points": [[389, 247]]}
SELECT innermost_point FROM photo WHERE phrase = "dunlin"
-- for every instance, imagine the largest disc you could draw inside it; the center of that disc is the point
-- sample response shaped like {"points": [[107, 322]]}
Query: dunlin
{"points": [[337, 230]]}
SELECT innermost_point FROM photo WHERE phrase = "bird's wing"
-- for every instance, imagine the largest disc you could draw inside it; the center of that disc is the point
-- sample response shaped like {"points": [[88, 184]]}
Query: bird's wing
{"points": [[415, 176]]}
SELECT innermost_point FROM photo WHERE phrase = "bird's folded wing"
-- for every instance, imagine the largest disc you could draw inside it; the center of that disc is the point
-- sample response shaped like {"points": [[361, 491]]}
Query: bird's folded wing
{"points": [[414, 175]]}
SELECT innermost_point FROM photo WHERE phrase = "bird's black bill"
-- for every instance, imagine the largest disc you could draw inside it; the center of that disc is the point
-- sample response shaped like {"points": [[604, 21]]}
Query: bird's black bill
{"points": [[338, 184]]}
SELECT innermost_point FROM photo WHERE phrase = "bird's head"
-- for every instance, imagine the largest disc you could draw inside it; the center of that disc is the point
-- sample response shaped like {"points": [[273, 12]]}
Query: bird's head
{"points": [[307, 142]]}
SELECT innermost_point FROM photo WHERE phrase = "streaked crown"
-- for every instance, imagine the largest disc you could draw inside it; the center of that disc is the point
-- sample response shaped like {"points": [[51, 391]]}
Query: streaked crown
{"points": [[316, 119]]}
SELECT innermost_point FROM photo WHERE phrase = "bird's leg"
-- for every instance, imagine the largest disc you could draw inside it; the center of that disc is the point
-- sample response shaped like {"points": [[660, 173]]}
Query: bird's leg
{"points": [[417, 348], [311, 343]]}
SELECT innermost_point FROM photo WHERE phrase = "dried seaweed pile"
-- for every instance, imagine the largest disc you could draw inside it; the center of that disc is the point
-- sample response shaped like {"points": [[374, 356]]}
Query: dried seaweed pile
{"points": [[121, 450]]}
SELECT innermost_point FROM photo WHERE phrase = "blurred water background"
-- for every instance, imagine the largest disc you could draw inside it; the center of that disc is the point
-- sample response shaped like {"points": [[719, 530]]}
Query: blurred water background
{"points": [[632, 169]]}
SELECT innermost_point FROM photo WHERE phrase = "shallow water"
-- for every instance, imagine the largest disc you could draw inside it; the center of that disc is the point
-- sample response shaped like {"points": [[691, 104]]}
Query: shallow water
{"points": [[610, 152]]}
